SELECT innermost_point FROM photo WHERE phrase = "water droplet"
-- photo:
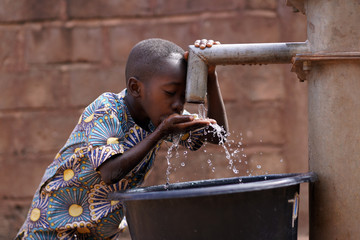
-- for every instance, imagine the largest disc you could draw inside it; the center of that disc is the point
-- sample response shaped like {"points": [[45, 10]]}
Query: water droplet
{"points": [[174, 145], [183, 164], [258, 166]]}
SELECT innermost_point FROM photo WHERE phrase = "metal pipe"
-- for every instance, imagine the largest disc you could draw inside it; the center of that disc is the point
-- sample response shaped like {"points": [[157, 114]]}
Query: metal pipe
{"points": [[334, 113], [232, 54]]}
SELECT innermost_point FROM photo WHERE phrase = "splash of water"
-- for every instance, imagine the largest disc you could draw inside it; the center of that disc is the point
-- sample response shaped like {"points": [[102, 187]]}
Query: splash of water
{"points": [[174, 145], [234, 151], [202, 111], [222, 135]]}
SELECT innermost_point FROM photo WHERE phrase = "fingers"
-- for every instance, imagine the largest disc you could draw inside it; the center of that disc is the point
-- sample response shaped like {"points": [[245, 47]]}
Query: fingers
{"points": [[204, 43], [195, 124], [183, 123], [192, 125], [175, 118], [201, 43], [197, 43], [209, 43]]}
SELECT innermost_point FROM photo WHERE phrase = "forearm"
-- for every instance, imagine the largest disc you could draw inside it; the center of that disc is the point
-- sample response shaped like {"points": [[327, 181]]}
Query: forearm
{"points": [[216, 106], [118, 166]]}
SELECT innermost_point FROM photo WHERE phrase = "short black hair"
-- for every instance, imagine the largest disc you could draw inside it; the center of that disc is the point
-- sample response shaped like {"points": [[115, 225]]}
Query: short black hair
{"points": [[147, 57]]}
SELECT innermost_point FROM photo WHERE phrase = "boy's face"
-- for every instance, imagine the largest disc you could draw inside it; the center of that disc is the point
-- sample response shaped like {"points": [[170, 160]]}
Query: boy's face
{"points": [[164, 94]]}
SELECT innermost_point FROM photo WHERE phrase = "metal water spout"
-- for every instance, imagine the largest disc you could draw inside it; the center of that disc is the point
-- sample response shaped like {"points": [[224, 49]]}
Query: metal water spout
{"points": [[232, 54]]}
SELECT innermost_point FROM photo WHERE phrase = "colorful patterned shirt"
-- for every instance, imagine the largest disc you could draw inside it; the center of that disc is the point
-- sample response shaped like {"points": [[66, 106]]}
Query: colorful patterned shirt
{"points": [[71, 201]]}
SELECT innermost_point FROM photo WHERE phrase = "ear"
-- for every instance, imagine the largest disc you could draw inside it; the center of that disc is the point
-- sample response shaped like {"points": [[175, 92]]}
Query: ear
{"points": [[134, 87]]}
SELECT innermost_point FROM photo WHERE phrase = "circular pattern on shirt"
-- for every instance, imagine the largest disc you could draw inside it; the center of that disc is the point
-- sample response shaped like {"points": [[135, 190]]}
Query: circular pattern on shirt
{"points": [[75, 210], [43, 235], [134, 136], [88, 177], [192, 140], [35, 214], [96, 105], [66, 175], [112, 140], [81, 233], [98, 155], [109, 226], [104, 104], [100, 205], [105, 128], [37, 218], [139, 172], [76, 139], [68, 207]]}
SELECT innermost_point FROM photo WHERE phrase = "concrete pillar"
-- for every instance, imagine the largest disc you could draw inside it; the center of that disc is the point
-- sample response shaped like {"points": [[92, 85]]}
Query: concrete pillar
{"points": [[334, 120]]}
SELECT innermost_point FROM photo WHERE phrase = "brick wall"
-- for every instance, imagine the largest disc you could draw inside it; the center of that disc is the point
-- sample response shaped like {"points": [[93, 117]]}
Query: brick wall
{"points": [[56, 56]]}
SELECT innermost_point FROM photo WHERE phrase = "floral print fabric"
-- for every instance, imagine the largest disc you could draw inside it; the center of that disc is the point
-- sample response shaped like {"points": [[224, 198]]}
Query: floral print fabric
{"points": [[71, 201]]}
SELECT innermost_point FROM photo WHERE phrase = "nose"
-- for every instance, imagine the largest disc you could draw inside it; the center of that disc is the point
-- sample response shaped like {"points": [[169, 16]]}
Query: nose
{"points": [[178, 105]]}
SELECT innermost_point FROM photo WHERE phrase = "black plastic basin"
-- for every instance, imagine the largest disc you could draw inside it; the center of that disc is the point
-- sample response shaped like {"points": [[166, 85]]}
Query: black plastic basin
{"points": [[261, 207]]}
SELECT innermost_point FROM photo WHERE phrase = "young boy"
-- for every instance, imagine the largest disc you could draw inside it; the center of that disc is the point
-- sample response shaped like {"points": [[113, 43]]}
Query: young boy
{"points": [[114, 144]]}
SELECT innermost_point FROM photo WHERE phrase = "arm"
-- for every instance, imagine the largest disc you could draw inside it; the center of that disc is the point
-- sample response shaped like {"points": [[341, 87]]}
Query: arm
{"points": [[118, 166], [216, 107]]}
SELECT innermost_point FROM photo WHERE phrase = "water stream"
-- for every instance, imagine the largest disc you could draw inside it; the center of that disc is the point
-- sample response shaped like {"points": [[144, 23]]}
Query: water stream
{"points": [[233, 149]]}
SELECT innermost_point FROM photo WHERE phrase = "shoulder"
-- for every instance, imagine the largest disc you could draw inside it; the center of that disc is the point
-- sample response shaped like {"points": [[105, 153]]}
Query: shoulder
{"points": [[105, 102]]}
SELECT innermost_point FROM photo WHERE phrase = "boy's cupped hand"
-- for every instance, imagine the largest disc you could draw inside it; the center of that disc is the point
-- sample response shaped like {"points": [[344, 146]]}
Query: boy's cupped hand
{"points": [[176, 123]]}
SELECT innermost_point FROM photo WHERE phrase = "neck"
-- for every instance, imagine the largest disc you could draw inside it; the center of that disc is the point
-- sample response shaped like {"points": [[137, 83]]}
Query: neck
{"points": [[137, 113]]}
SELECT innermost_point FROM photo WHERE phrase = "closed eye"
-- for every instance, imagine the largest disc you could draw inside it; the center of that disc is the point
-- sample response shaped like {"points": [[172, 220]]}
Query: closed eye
{"points": [[170, 93]]}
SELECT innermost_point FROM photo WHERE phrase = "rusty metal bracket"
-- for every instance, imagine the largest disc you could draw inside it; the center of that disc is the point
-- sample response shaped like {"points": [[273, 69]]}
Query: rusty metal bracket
{"points": [[301, 63]]}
